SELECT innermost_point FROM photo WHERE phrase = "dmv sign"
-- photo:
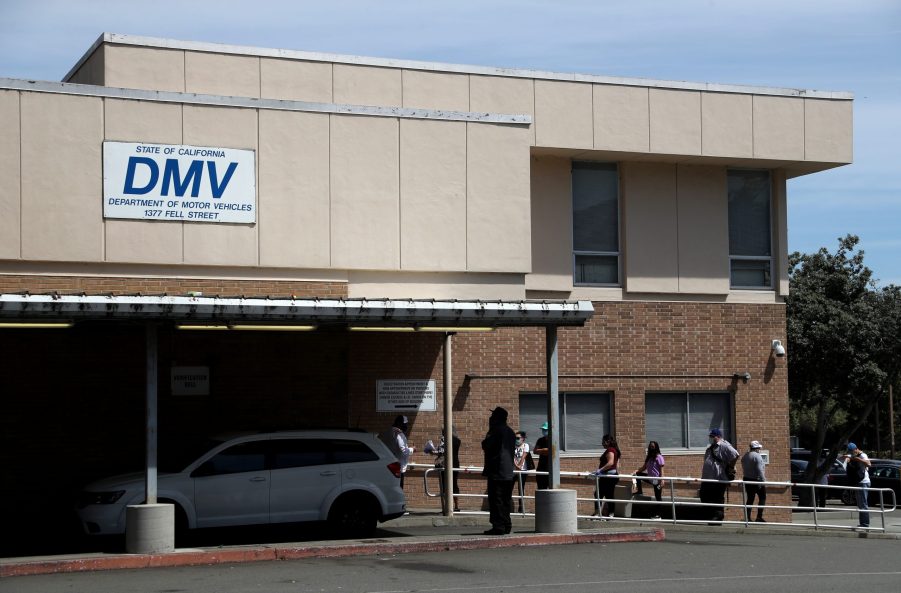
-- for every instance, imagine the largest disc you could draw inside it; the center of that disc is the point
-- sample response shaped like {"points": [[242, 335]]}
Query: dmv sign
{"points": [[178, 183]]}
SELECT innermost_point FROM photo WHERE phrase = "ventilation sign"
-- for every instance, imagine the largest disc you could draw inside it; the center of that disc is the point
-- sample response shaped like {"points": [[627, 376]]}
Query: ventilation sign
{"points": [[178, 183], [406, 395]]}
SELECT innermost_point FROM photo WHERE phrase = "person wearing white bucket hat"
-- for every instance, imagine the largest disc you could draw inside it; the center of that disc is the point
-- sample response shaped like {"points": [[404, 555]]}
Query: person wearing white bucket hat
{"points": [[753, 468]]}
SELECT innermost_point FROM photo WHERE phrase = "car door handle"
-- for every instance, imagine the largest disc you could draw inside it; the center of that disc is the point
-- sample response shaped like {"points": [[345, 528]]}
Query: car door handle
{"points": [[328, 473], [258, 479]]}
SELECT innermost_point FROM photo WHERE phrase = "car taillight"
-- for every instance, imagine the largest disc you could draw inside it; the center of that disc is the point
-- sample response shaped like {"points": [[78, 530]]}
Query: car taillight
{"points": [[394, 468]]}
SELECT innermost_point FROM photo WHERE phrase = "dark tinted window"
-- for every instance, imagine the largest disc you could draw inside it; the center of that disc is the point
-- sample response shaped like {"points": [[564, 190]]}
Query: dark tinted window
{"points": [[300, 453], [246, 457], [352, 451]]}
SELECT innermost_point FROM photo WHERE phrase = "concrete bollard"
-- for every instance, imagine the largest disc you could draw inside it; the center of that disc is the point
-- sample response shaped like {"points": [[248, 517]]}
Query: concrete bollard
{"points": [[556, 511], [149, 528]]}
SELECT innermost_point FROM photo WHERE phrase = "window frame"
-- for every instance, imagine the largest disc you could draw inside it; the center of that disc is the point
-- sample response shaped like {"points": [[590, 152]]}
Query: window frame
{"points": [[609, 394], [619, 231], [770, 259], [728, 434]]}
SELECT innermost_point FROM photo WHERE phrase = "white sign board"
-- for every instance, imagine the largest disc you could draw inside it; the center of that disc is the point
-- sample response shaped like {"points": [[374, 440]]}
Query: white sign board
{"points": [[179, 183], [190, 380], [406, 395]]}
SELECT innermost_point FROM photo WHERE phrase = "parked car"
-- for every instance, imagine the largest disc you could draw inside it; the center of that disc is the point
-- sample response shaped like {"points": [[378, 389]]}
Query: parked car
{"points": [[884, 475], [835, 477], [347, 478]]}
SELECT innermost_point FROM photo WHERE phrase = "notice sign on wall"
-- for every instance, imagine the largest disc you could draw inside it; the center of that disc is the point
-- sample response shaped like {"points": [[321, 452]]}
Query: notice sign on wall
{"points": [[190, 381], [406, 395], [179, 183]]}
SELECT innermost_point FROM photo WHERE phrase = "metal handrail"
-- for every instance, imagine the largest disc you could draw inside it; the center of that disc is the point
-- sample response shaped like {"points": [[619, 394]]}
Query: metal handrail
{"points": [[671, 482]]}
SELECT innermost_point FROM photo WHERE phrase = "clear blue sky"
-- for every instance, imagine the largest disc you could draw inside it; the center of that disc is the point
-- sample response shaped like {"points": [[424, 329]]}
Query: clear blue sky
{"points": [[835, 45]]}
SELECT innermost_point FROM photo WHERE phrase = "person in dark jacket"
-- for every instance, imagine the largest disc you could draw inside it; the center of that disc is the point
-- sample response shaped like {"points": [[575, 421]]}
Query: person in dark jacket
{"points": [[499, 445]]}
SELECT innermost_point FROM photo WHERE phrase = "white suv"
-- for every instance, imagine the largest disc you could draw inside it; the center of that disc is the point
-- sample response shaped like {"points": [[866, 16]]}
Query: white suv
{"points": [[347, 478]]}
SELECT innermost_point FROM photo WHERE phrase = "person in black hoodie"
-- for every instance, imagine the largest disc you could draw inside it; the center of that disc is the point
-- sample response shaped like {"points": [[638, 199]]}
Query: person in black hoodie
{"points": [[498, 446]]}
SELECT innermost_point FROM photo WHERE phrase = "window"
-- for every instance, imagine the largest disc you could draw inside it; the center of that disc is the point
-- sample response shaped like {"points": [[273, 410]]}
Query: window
{"points": [[683, 420], [245, 457], [595, 188], [288, 453], [750, 245], [584, 418], [346, 451]]}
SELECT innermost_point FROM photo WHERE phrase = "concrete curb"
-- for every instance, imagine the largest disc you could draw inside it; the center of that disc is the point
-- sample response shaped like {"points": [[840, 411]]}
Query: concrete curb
{"points": [[194, 557]]}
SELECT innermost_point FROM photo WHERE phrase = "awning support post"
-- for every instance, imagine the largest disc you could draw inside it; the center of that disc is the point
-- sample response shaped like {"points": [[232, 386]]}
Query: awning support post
{"points": [[150, 476], [553, 406], [448, 475]]}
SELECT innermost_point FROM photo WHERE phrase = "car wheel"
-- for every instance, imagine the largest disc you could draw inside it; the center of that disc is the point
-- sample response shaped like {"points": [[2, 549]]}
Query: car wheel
{"points": [[847, 497], [354, 514]]}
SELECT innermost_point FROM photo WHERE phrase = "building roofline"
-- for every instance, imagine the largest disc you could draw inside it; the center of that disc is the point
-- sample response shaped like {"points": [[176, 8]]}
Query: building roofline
{"points": [[164, 43]]}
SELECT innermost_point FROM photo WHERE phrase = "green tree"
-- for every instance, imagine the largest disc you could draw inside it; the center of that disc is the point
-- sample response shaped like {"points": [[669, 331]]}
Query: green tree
{"points": [[844, 346]]}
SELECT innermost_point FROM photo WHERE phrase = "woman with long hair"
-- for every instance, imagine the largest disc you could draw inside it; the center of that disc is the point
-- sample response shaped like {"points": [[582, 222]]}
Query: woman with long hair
{"points": [[607, 476], [653, 468]]}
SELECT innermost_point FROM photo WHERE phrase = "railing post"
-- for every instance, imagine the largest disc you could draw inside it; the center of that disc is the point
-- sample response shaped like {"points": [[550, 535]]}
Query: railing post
{"points": [[672, 498], [816, 522]]}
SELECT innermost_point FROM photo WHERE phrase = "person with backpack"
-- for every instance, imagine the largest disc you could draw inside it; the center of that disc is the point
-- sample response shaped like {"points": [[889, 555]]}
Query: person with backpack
{"points": [[856, 464], [719, 464]]}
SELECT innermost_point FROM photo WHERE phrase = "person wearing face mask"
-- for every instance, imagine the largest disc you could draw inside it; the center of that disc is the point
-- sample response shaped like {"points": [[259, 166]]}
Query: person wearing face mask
{"points": [[395, 438], [542, 449], [653, 468], [719, 464], [522, 460]]}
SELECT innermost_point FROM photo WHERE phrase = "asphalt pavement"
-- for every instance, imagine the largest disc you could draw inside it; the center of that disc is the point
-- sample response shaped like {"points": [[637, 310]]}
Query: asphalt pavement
{"points": [[428, 531]]}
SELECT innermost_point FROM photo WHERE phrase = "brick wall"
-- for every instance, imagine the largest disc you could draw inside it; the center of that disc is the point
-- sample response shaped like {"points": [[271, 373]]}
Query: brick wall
{"points": [[10, 283], [628, 349]]}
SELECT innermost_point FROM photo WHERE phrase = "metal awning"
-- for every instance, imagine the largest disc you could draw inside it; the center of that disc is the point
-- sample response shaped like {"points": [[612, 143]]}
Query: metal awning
{"points": [[373, 312]]}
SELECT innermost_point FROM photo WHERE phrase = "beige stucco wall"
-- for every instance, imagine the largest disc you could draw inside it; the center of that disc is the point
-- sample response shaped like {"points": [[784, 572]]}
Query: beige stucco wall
{"points": [[650, 240], [399, 200], [10, 205], [344, 192], [702, 229], [674, 233], [93, 70], [154, 69], [552, 224], [638, 120], [293, 190], [433, 195], [61, 177]]}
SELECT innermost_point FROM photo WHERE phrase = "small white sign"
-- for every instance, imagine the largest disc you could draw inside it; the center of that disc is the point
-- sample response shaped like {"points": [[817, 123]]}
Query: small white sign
{"points": [[406, 396], [190, 380], [178, 183]]}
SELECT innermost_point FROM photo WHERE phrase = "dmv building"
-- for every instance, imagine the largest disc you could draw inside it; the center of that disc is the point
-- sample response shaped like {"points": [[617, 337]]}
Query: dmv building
{"points": [[387, 209]]}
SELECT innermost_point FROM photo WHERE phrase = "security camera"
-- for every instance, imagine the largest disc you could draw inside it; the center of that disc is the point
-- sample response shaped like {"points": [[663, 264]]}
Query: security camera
{"points": [[778, 348]]}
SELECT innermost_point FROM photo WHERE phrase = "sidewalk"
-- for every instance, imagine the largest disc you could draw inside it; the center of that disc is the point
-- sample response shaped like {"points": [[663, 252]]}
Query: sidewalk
{"points": [[429, 531]]}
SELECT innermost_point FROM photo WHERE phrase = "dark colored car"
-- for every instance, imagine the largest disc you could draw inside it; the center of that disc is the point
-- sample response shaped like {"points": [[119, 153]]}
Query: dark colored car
{"points": [[883, 474], [835, 477]]}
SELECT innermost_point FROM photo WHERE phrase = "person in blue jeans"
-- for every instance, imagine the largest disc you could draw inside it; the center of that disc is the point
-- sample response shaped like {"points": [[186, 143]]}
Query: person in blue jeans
{"points": [[856, 464]]}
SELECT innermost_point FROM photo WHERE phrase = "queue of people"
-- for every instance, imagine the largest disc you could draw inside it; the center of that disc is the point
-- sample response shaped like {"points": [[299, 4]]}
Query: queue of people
{"points": [[508, 453]]}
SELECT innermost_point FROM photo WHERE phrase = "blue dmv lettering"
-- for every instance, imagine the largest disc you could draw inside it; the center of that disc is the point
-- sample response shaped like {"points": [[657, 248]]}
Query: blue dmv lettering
{"points": [[173, 179], [171, 175]]}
